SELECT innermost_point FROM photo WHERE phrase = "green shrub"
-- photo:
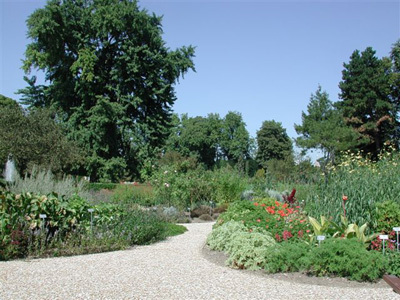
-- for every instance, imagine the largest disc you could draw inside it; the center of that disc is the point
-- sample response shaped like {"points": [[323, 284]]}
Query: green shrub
{"points": [[387, 216], [247, 249], [345, 258], [222, 235], [393, 263], [141, 227], [286, 257], [228, 185], [282, 221], [175, 229]]}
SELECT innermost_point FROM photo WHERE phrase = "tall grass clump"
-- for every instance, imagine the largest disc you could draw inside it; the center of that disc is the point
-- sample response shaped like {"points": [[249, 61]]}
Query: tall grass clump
{"points": [[363, 181], [43, 182]]}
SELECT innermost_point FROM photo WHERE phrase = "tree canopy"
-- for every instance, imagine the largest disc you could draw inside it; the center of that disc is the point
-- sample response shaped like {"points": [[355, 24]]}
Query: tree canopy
{"points": [[111, 78], [273, 143], [323, 127], [366, 99]]}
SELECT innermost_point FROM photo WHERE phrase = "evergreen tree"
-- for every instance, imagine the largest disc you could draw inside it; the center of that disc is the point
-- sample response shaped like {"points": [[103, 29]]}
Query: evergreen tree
{"points": [[366, 102], [273, 143]]}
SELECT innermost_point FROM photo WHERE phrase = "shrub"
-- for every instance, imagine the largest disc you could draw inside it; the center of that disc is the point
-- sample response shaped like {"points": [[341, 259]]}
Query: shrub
{"points": [[286, 257], [97, 186], [222, 235], [281, 220], [393, 263], [345, 258], [247, 249], [387, 216], [228, 185]]}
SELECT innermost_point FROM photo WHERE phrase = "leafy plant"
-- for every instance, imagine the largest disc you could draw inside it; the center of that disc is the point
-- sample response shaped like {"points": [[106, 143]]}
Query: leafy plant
{"points": [[344, 258], [221, 236], [247, 249], [286, 257]]}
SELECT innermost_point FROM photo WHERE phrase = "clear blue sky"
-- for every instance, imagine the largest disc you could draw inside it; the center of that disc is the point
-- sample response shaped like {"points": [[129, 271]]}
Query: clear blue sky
{"points": [[260, 58]]}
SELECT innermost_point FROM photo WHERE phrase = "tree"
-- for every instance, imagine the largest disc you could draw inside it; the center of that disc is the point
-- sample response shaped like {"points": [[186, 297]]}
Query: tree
{"points": [[323, 127], [234, 138], [7, 102], [34, 138], [366, 101], [273, 143], [395, 85], [111, 79], [196, 137]]}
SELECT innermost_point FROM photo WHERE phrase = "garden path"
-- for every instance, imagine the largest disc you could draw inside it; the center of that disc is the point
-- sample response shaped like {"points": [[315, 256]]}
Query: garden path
{"points": [[172, 269]]}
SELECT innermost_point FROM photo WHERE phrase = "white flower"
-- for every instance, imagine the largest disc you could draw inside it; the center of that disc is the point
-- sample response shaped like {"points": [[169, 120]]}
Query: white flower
{"points": [[165, 172], [166, 185]]}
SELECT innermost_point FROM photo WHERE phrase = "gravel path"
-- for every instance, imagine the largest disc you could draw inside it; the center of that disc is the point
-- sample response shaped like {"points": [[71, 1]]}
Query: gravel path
{"points": [[173, 269]]}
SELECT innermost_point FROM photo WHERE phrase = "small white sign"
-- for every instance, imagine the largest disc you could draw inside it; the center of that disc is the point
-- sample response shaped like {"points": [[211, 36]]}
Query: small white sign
{"points": [[90, 210], [320, 237], [384, 237], [397, 229], [43, 216]]}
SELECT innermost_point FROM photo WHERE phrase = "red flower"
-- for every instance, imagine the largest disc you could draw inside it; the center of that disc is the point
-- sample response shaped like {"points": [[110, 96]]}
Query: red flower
{"points": [[287, 235], [278, 237], [258, 220], [256, 203], [300, 233], [263, 204], [344, 198]]}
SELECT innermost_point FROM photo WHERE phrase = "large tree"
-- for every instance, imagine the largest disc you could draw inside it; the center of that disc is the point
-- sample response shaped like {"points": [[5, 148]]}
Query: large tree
{"points": [[36, 139], [196, 137], [273, 143], [234, 138], [366, 100], [323, 127], [110, 75]]}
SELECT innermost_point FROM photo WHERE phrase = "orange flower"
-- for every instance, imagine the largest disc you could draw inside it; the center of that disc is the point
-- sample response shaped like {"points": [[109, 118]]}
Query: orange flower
{"points": [[256, 203]]}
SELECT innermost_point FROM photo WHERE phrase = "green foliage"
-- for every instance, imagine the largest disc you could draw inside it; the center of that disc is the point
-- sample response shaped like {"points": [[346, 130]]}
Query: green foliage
{"points": [[175, 229], [8, 102], [131, 195], [393, 262], [222, 236], [228, 185], [35, 138], [97, 186], [365, 183], [112, 76], [273, 143], [324, 128], [247, 249], [345, 258], [283, 222], [67, 228], [387, 216], [234, 138], [43, 182], [286, 257], [366, 101]]}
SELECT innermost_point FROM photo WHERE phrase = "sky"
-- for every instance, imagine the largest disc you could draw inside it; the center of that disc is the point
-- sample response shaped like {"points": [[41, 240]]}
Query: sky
{"points": [[261, 58]]}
